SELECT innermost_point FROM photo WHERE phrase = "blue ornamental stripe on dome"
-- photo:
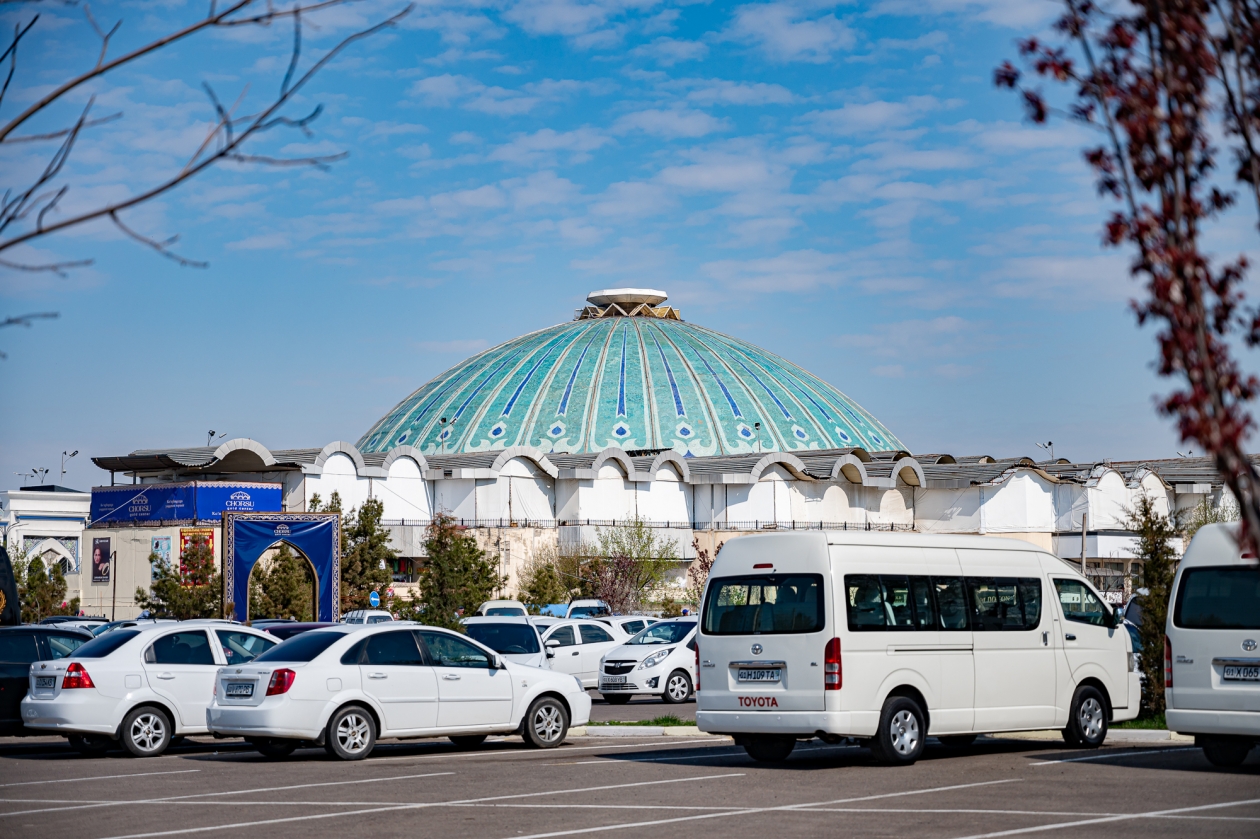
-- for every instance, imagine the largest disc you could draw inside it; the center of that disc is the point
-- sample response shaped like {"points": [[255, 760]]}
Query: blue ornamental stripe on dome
{"points": [[643, 382]]}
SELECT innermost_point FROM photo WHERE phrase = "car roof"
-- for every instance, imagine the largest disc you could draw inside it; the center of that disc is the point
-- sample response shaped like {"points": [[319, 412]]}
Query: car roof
{"points": [[519, 620], [46, 627]]}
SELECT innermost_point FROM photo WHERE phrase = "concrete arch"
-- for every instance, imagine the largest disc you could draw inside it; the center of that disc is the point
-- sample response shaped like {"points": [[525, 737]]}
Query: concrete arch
{"points": [[860, 453], [50, 544], [538, 456], [910, 472], [342, 447], [789, 461], [850, 468], [398, 452], [671, 456], [618, 455], [246, 447]]}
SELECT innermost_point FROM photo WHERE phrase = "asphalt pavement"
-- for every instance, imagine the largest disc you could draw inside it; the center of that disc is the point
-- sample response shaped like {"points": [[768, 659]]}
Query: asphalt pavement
{"points": [[625, 787], [639, 708]]}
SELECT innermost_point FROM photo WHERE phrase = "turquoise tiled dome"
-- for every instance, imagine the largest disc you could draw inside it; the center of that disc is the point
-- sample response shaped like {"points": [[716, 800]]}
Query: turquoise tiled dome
{"points": [[637, 382]]}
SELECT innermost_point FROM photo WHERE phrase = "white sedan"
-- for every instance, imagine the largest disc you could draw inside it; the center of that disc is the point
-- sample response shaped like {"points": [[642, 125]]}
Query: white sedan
{"points": [[141, 685], [576, 646], [660, 661], [347, 687]]}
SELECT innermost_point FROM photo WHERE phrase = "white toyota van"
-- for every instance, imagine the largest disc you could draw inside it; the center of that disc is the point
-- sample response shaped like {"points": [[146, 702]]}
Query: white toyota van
{"points": [[890, 637], [1211, 664]]}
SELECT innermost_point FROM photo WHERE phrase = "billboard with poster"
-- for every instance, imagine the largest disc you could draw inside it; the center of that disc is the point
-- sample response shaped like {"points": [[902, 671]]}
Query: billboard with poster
{"points": [[188, 536], [100, 560], [190, 501], [160, 546]]}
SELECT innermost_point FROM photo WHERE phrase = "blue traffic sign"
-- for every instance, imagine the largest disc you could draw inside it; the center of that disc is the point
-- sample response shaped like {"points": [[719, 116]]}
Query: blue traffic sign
{"points": [[374, 599]]}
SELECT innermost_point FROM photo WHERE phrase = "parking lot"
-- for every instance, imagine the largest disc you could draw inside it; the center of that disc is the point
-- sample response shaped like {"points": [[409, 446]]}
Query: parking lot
{"points": [[631, 785]]}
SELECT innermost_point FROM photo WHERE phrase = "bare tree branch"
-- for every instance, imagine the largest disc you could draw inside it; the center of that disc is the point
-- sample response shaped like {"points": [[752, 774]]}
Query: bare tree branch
{"points": [[104, 36], [25, 320], [58, 268], [52, 135], [11, 53], [160, 247]]}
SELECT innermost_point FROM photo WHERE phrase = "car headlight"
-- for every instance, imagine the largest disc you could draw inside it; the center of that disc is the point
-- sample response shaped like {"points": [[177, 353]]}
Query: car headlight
{"points": [[654, 659]]}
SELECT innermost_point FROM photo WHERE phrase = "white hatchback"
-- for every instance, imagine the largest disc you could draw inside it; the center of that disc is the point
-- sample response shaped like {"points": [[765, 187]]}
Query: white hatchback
{"points": [[141, 685], [345, 688], [659, 661]]}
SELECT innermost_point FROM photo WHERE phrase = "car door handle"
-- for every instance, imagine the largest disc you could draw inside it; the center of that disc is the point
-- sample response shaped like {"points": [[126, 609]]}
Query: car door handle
{"points": [[378, 676], [166, 675], [451, 677], [1070, 637], [577, 652]]}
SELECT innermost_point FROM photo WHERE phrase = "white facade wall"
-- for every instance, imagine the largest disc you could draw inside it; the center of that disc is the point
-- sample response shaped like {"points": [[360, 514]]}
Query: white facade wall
{"points": [[405, 494], [339, 476]]}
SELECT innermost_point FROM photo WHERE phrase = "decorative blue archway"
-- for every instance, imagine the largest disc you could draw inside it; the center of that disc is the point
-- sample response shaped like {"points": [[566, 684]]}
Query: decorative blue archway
{"points": [[247, 536]]}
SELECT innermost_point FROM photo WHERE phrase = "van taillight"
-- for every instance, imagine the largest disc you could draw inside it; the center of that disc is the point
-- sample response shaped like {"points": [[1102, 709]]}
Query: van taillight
{"points": [[281, 681], [76, 677], [1167, 663], [833, 676]]}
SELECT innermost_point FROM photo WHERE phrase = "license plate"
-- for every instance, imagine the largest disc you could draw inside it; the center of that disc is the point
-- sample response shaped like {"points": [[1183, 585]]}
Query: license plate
{"points": [[1242, 674], [46, 682], [240, 689], [744, 675], [614, 680]]}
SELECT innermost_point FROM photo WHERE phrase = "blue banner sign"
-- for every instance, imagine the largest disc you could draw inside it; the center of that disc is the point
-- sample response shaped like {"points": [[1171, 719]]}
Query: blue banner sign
{"points": [[191, 501]]}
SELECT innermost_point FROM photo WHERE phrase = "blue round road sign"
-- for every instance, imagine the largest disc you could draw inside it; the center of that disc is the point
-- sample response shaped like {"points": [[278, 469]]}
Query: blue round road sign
{"points": [[374, 599]]}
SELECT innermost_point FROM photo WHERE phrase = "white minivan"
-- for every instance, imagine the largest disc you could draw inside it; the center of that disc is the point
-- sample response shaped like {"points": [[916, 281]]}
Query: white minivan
{"points": [[891, 637], [1211, 661]]}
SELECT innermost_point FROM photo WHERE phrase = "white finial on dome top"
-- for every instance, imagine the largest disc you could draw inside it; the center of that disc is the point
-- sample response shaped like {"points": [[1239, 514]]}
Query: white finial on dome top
{"points": [[627, 296]]}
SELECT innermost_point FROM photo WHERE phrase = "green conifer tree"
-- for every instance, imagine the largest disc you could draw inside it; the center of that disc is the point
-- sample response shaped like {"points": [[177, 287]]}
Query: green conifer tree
{"points": [[457, 576], [281, 587], [1155, 533], [184, 590], [41, 590], [365, 556]]}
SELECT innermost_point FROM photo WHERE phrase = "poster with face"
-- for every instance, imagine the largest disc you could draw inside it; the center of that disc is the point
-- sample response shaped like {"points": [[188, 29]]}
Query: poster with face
{"points": [[100, 560], [160, 546]]}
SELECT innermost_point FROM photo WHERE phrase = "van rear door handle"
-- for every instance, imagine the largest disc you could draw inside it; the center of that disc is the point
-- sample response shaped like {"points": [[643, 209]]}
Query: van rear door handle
{"points": [[1045, 639], [1070, 637]]}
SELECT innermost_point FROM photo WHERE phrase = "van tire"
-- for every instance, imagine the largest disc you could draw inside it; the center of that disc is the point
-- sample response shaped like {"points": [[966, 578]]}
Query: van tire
{"points": [[351, 733], [768, 748], [902, 731], [1087, 719], [677, 688], [468, 741], [616, 698], [957, 741], [89, 745], [1226, 752]]}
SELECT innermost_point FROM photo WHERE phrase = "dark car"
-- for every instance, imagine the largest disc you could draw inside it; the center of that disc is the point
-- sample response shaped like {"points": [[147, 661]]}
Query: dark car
{"points": [[288, 629], [19, 646]]}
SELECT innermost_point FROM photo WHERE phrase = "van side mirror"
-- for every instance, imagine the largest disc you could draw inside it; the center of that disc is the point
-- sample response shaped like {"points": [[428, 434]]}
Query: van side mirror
{"points": [[1117, 617]]}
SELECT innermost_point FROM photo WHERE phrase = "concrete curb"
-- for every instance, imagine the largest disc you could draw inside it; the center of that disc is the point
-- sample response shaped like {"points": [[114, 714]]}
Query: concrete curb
{"points": [[636, 731]]}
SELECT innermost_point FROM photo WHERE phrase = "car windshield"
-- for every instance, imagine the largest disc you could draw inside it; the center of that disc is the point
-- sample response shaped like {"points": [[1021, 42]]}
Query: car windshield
{"points": [[666, 632], [506, 638], [106, 644], [302, 647], [587, 611]]}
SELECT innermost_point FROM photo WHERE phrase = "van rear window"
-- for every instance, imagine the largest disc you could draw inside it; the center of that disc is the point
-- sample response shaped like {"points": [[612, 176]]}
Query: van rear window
{"points": [[767, 604], [1225, 597]]}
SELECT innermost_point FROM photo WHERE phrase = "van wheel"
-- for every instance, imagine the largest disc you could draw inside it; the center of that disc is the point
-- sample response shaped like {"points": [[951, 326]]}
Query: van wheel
{"points": [[1225, 751], [275, 747], [89, 745], [1087, 721], [767, 748], [616, 698], [146, 732], [677, 688], [468, 741], [351, 733], [958, 741], [899, 740], [546, 723]]}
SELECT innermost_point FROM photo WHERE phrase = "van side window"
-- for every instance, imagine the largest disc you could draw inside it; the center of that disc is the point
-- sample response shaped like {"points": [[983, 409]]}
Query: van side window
{"points": [[951, 603], [898, 611], [865, 602], [1002, 604], [924, 608], [1080, 605]]}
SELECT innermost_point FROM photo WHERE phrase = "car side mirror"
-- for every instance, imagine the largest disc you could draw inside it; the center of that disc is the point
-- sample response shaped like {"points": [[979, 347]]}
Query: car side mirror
{"points": [[551, 651], [552, 643], [496, 662]]}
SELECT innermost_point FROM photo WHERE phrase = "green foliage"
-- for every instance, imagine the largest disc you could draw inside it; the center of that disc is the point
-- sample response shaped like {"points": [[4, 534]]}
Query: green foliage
{"points": [[1205, 512], [544, 582], [1155, 533], [365, 555], [188, 589], [41, 590], [698, 571], [281, 587], [456, 576], [631, 563]]}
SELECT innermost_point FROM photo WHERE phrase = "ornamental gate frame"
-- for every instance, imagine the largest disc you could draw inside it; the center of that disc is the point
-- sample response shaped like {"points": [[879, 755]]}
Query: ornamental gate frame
{"points": [[317, 536]]}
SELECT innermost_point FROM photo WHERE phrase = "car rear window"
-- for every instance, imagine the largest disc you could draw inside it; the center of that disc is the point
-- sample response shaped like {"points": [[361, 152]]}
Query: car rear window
{"points": [[302, 647], [1226, 597], [768, 604], [504, 612], [506, 638], [18, 647], [105, 644]]}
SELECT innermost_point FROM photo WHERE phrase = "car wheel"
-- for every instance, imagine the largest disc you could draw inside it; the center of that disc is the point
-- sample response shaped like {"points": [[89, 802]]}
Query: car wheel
{"points": [[1087, 721], [89, 745], [275, 747], [677, 688], [146, 732], [351, 733], [902, 730], [616, 698], [768, 748], [468, 741], [1225, 751], [958, 741], [546, 723]]}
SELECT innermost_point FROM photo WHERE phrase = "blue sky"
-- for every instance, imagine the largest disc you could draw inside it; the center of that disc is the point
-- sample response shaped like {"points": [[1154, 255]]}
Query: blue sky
{"points": [[840, 184]]}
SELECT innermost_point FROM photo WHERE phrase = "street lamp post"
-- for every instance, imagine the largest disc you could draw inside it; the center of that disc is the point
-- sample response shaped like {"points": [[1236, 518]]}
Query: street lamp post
{"points": [[64, 457]]}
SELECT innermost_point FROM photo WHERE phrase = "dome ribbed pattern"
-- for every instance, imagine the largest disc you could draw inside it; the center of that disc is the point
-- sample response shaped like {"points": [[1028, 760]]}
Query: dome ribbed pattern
{"points": [[631, 382]]}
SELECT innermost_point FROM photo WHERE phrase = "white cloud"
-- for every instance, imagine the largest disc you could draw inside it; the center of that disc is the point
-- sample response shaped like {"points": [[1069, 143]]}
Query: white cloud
{"points": [[723, 92], [669, 51], [671, 124], [630, 199], [1017, 14], [789, 271], [547, 144], [871, 117], [785, 32], [261, 242]]}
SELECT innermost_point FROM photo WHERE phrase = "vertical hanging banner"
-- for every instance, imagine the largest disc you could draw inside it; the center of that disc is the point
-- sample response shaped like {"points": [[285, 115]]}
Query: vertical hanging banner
{"points": [[100, 560], [159, 546], [316, 536]]}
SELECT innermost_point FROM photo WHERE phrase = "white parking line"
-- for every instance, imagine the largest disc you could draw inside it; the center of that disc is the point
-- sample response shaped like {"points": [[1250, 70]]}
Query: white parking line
{"points": [[755, 810], [414, 806], [614, 761], [1106, 819], [97, 778], [516, 753], [1113, 754]]}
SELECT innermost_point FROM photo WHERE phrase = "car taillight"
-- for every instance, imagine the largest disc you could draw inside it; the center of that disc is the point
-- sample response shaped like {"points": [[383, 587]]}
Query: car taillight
{"points": [[76, 677], [281, 681], [1167, 663], [833, 676], [697, 667]]}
